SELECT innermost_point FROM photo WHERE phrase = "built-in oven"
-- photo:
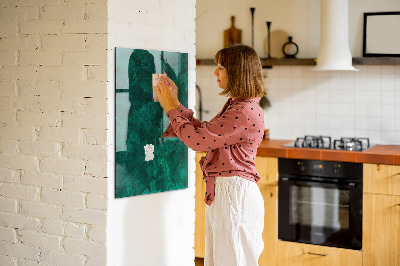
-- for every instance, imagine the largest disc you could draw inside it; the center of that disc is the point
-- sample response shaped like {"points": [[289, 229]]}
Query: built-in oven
{"points": [[320, 202]]}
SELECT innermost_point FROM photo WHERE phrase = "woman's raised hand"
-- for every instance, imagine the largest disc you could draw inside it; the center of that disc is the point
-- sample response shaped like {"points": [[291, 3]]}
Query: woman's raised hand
{"points": [[174, 90], [164, 94]]}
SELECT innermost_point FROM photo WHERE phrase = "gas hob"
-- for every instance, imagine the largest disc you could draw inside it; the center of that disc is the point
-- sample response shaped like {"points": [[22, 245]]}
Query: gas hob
{"points": [[325, 142]]}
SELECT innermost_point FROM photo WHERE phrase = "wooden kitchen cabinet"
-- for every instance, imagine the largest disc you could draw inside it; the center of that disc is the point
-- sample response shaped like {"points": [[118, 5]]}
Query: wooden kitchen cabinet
{"points": [[200, 207], [298, 254], [381, 230], [267, 168], [381, 179], [270, 233], [381, 215]]}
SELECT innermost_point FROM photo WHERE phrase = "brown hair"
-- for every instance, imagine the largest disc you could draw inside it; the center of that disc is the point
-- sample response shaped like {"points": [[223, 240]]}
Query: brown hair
{"points": [[245, 78]]}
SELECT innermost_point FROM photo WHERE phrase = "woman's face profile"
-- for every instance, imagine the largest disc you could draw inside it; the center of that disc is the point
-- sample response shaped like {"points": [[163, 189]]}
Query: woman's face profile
{"points": [[222, 76]]}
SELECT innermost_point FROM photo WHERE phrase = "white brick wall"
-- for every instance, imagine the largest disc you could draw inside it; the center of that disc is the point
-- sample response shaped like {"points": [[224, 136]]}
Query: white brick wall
{"points": [[54, 133], [53, 107]]}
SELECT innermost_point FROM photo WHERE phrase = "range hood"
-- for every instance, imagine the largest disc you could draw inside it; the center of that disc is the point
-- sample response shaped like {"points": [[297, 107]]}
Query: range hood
{"points": [[334, 51]]}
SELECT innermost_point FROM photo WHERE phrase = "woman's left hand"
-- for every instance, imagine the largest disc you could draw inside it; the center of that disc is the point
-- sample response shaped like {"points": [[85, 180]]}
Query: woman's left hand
{"points": [[163, 90]]}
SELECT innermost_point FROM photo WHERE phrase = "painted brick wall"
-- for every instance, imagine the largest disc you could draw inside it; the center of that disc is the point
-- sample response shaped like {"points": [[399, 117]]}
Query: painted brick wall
{"points": [[53, 105], [155, 229]]}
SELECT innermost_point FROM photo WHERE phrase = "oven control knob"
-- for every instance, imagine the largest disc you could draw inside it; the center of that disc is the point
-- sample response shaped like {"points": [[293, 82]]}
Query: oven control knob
{"points": [[336, 169], [302, 167]]}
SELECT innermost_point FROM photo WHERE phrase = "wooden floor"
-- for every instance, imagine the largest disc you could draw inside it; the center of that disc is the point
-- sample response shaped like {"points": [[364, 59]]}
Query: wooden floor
{"points": [[199, 262]]}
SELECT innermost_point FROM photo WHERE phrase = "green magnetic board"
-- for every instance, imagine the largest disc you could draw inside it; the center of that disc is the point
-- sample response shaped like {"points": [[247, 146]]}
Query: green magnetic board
{"points": [[144, 162]]}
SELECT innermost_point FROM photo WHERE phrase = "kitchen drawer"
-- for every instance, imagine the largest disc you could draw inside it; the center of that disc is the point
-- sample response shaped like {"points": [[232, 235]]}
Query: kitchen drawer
{"points": [[298, 254], [381, 179]]}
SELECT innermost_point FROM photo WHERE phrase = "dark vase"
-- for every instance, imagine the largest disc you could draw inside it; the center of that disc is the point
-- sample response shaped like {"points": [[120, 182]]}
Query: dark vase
{"points": [[290, 49]]}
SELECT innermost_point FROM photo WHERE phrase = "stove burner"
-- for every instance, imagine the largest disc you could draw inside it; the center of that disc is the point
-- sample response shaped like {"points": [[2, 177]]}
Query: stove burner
{"points": [[324, 142], [351, 144], [308, 141]]}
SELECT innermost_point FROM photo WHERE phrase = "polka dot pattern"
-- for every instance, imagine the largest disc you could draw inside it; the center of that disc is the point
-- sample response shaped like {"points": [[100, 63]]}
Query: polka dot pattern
{"points": [[231, 138]]}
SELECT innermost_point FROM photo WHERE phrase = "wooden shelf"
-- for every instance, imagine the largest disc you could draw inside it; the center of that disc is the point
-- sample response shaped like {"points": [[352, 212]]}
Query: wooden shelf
{"points": [[376, 61], [288, 62], [312, 61]]}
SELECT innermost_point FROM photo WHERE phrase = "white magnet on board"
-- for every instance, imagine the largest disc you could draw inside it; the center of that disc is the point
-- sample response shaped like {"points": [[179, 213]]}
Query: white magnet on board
{"points": [[149, 152]]}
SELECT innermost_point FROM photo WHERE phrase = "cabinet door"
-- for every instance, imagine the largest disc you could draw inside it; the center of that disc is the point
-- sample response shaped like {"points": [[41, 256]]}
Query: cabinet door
{"points": [[297, 254], [381, 230], [200, 207], [381, 179], [267, 168], [270, 233]]}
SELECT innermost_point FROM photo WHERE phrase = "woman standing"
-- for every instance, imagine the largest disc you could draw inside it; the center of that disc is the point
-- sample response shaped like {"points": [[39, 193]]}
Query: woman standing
{"points": [[235, 207]]}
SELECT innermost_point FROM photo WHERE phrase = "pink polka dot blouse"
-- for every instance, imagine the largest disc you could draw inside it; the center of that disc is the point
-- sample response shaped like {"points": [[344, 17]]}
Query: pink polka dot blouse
{"points": [[231, 139]]}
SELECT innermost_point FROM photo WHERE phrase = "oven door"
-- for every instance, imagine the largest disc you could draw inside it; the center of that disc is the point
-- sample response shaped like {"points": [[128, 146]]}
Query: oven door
{"points": [[320, 212]]}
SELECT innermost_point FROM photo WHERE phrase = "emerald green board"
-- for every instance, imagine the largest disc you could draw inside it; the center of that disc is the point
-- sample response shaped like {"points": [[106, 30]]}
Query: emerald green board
{"points": [[144, 162]]}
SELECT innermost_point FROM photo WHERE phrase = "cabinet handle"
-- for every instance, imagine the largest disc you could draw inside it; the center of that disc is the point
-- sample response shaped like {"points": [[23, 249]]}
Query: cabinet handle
{"points": [[398, 204], [318, 254]]}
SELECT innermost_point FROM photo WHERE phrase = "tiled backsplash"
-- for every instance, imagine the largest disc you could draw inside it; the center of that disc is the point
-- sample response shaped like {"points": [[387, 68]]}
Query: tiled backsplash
{"points": [[333, 103]]}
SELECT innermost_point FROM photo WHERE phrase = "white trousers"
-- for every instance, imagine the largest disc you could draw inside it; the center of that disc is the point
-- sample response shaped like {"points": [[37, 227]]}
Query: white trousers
{"points": [[234, 223]]}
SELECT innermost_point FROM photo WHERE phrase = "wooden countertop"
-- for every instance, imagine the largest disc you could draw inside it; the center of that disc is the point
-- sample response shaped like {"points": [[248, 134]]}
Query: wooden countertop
{"points": [[379, 154]]}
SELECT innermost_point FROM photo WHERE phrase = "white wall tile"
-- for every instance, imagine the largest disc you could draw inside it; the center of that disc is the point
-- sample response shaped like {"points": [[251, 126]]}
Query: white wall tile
{"points": [[328, 103], [348, 123], [322, 121], [387, 72], [388, 124], [389, 136], [284, 83], [374, 83], [397, 110], [310, 109], [297, 83], [360, 97], [388, 110], [361, 110], [374, 110], [310, 95], [374, 123], [297, 72], [375, 136], [374, 97], [335, 95], [388, 84], [361, 123], [347, 109], [397, 122], [388, 97], [348, 132], [348, 96], [322, 95], [397, 72], [322, 109]]}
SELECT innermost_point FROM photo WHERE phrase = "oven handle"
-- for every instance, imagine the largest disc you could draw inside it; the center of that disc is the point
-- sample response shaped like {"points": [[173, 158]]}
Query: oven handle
{"points": [[297, 181]]}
